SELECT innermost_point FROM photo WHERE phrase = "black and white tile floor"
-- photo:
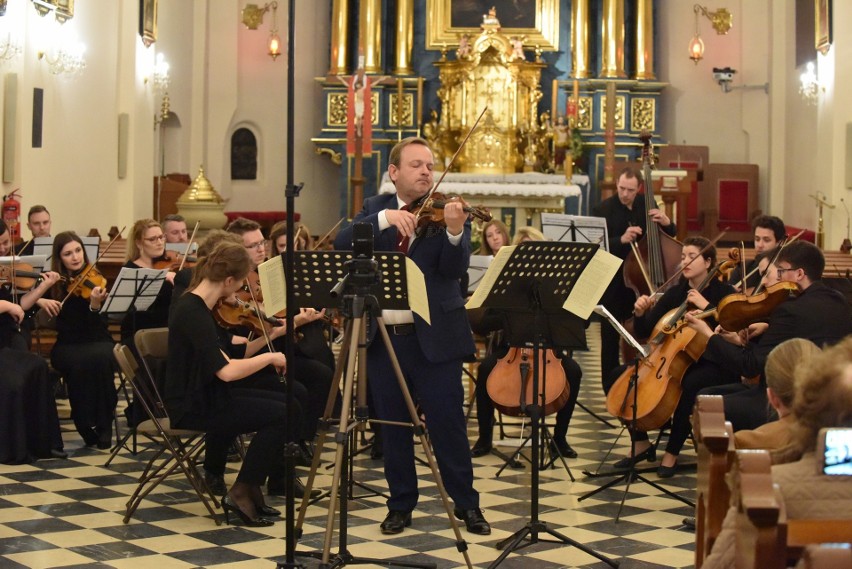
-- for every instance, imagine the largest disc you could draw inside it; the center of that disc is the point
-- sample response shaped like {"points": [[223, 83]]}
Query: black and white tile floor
{"points": [[68, 513]]}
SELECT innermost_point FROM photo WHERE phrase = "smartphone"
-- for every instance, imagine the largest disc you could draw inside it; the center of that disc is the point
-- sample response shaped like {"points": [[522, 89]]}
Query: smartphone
{"points": [[835, 452]]}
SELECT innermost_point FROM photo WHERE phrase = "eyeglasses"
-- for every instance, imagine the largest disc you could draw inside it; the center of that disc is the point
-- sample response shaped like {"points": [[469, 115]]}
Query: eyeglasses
{"points": [[156, 238], [781, 270], [258, 245]]}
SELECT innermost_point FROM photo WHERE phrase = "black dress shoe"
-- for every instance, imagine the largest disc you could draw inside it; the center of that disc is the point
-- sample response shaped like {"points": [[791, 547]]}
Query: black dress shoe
{"points": [[230, 507], [473, 520], [563, 448], [480, 448], [216, 483], [90, 436], [279, 488], [395, 522], [104, 438], [689, 523], [626, 462], [376, 452], [58, 453], [666, 471], [268, 511]]}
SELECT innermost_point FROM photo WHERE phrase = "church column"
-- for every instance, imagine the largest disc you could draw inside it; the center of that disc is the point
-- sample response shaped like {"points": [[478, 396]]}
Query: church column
{"points": [[645, 39], [370, 29], [404, 37], [612, 62], [339, 37], [580, 39]]}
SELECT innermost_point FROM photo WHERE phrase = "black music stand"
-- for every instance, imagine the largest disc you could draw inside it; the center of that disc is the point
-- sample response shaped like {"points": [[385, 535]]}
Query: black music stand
{"points": [[357, 283], [134, 290], [632, 473], [531, 290]]}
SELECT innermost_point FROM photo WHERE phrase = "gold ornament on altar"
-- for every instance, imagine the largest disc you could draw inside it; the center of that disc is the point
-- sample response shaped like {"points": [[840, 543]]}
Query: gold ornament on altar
{"points": [[490, 70]]}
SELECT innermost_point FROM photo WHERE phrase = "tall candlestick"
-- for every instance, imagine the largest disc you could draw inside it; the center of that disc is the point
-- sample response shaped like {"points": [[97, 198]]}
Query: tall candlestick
{"points": [[554, 99], [419, 104]]}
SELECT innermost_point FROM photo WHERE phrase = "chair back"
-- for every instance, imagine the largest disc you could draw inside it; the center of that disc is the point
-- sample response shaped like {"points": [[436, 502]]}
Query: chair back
{"points": [[153, 347], [141, 386]]}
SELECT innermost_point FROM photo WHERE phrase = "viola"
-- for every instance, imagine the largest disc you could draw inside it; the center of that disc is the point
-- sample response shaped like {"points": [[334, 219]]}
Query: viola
{"points": [[673, 349], [737, 311], [234, 313], [171, 260], [23, 277], [510, 384], [429, 210], [85, 282]]}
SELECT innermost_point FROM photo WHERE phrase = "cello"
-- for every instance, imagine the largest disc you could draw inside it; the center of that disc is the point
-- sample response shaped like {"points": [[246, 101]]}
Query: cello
{"points": [[510, 384], [673, 349]]}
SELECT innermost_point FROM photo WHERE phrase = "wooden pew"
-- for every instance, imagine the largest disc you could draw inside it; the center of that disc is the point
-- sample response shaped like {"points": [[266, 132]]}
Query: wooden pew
{"points": [[766, 539], [830, 556], [714, 439]]}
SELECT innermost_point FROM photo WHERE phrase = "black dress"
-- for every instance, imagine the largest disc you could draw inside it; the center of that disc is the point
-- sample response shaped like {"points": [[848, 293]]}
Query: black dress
{"points": [[29, 424], [83, 354]]}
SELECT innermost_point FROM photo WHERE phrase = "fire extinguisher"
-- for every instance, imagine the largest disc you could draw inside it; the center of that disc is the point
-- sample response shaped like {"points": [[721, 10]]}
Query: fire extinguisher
{"points": [[12, 214]]}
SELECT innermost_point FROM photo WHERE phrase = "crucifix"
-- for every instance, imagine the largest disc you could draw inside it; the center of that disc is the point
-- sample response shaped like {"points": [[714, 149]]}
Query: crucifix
{"points": [[359, 127]]}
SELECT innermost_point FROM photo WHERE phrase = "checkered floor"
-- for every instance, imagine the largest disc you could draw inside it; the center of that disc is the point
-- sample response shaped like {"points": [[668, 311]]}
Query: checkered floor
{"points": [[68, 513]]}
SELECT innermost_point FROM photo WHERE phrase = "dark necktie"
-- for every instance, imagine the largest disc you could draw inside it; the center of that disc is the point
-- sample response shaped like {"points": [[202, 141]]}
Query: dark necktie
{"points": [[402, 244]]}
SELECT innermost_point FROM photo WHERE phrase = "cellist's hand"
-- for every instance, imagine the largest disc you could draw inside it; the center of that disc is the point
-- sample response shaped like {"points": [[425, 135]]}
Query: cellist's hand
{"points": [[659, 217], [700, 326], [642, 304], [697, 299]]}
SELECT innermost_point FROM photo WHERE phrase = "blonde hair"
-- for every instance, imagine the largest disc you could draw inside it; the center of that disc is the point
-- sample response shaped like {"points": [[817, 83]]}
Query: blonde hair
{"points": [[136, 234], [214, 237], [528, 233], [227, 259], [823, 398], [484, 248], [783, 362]]}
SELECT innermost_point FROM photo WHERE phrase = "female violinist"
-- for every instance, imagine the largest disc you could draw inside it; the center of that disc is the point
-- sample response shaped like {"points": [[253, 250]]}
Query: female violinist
{"points": [[495, 234], [146, 244], [197, 378], [83, 349], [647, 313], [278, 238], [29, 424]]}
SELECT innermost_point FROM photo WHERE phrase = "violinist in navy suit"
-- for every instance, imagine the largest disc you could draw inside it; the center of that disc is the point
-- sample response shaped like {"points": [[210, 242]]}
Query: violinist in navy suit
{"points": [[430, 355]]}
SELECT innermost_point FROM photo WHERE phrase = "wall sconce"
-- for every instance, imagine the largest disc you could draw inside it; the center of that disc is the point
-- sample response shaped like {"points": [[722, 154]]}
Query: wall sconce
{"points": [[809, 87], [721, 20], [63, 10], [160, 78], [9, 48], [66, 59], [253, 17]]}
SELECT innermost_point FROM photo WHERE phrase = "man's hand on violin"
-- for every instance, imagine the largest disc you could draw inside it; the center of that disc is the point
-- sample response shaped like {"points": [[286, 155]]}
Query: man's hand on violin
{"points": [[700, 326], [404, 221], [52, 307], [97, 298], [12, 309], [659, 217], [633, 233], [307, 315], [455, 217]]}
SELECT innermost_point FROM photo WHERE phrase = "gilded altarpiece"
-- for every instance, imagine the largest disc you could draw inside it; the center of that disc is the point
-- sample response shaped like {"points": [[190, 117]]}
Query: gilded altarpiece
{"points": [[490, 75]]}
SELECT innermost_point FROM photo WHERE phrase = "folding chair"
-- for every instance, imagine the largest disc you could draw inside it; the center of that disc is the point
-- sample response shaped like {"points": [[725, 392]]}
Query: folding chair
{"points": [[178, 448]]}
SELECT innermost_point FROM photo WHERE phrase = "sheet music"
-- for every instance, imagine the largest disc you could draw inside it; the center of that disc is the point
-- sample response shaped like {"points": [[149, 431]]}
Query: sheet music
{"points": [[490, 277], [592, 284], [586, 229], [134, 287], [478, 266], [601, 310], [273, 284], [418, 300], [181, 247], [44, 246]]}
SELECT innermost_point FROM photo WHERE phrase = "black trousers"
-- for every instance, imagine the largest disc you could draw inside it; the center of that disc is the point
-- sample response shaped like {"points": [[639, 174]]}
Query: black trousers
{"points": [[256, 411], [485, 407], [89, 372]]}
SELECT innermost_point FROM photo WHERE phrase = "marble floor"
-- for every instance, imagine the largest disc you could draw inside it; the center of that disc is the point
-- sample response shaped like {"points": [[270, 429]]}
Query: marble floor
{"points": [[68, 513]]}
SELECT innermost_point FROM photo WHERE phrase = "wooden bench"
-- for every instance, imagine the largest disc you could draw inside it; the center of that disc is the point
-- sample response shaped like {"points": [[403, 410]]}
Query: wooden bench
{"points": [[765, 538], [830, 556], [714, 439]]}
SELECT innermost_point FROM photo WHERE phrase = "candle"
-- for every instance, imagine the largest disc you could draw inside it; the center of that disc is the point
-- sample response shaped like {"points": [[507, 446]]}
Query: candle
{"points": [[419, 103], [555, 99]]}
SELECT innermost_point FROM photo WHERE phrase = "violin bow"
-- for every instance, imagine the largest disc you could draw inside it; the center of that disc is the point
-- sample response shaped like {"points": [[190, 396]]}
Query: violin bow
{"points": [[784, 243], [700, 253], [91, 266], [319, 243], [188, 245], [260, 318], [642, 267]]}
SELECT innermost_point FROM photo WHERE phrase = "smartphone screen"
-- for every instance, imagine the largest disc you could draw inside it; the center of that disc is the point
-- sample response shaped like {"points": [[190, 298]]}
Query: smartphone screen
{"points": [[837, 457]]}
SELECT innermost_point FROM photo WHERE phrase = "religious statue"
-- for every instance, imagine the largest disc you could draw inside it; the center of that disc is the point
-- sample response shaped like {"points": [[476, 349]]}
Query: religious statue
{"points": [[490, 19], [464, 49], [359, 112], [517, 48], [561, 141], [432, 132]]}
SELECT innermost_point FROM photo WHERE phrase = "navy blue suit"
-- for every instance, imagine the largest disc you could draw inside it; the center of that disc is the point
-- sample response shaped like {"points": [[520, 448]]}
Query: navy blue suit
{"points": [[431, 360]]}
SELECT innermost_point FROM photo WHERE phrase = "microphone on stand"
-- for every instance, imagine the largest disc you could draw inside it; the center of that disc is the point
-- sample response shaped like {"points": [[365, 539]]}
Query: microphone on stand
{"points": [[846, 246]]}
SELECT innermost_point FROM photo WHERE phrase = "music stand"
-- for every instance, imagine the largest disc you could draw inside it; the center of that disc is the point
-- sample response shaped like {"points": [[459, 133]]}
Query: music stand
{"points": [[476, 270], [357, 283], [44, 246], [545, 290], [632, 473], [134, 290]]}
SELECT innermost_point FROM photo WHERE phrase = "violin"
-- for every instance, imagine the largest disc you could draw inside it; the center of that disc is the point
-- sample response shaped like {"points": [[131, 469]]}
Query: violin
{"points": [[429, 210], [251, 288], [737, 311], [85, 282], [674, 347], [171, 260], [23, 277], [233, 313], [510, 384]]}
